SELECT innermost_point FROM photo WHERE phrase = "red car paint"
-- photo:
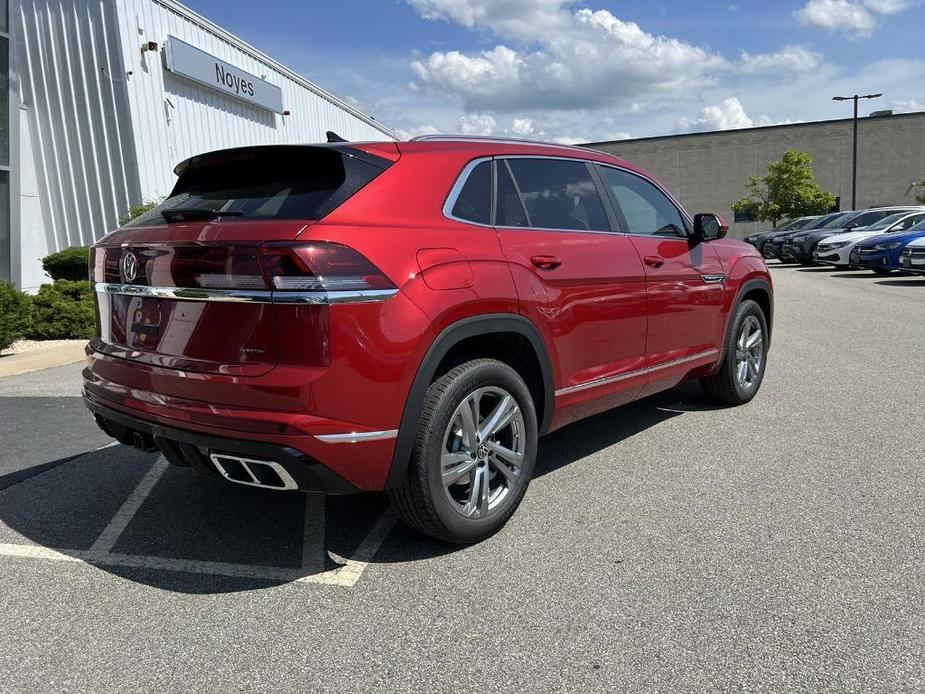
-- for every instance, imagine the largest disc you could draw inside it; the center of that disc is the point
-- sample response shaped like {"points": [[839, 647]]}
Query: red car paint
{"points": [[620, 315]]}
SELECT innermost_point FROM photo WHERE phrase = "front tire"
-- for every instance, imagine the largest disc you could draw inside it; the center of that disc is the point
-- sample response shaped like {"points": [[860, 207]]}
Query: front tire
{"points": [[473, 455], [744, 358]]}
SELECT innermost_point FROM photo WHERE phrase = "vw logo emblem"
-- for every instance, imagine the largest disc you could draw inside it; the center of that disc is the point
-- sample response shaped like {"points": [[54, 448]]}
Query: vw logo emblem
{"points": [[129, 266]]}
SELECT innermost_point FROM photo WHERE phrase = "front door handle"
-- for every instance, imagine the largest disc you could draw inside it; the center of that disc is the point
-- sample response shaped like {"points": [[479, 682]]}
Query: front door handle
{"points": [[653, 261], [546, 262]]}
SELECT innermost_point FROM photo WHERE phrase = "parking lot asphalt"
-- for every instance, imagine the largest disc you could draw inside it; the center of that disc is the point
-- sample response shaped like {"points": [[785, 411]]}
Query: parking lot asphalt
{"points": [[665, 546]]}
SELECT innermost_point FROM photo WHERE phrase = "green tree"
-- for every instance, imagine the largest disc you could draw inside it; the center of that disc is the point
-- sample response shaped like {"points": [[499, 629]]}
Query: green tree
{"points": [[789, 190]]}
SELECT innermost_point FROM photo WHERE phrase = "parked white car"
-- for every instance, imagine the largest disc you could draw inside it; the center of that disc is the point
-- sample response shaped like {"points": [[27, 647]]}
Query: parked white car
{"points": [[913, 257], [835, 250]]}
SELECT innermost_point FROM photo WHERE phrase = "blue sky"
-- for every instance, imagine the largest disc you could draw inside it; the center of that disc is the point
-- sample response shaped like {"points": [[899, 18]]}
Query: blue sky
{"points": [[596, 70]]}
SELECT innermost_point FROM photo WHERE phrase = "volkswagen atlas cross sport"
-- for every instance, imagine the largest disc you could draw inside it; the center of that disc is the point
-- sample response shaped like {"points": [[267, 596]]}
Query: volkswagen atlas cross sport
{"points": [[411, 316]]}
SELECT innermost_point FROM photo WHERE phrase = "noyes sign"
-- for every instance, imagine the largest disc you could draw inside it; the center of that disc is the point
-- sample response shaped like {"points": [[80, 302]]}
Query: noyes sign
{"points": [[190, 62]]}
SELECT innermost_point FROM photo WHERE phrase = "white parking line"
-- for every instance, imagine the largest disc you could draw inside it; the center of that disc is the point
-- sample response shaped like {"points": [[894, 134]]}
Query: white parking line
{"points": [[353, 568], [345, 576], [313, 552], [110, 535]]}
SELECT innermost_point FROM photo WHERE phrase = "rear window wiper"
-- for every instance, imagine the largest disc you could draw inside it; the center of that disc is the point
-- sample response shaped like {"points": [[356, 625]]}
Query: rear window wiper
{"points": [[197, 213]]}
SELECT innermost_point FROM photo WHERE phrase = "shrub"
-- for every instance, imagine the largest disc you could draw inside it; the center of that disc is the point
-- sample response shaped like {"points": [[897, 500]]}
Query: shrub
{"points": [[69, 264], [63, 311], [14, 314]]}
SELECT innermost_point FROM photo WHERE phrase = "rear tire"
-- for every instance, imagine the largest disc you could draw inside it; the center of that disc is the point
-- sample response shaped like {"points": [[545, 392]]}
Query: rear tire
{"points": [[473, 455], [744, 358]]}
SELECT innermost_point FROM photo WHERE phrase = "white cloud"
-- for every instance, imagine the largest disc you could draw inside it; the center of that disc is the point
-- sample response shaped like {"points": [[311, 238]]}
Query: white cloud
{"points": [[788, 59], [889, 6], [728, 115], [566, 60], [854, 17], [475, 124]]}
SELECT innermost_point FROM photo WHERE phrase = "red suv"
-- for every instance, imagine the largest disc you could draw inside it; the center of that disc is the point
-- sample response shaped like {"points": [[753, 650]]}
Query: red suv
{"points": [[411, 316]]}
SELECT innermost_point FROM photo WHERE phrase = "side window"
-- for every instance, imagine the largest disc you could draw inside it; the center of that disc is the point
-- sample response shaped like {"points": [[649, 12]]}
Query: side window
{"points": [[911, 222], [474, 201], [558, 194], [647, 209], [511, 211]]}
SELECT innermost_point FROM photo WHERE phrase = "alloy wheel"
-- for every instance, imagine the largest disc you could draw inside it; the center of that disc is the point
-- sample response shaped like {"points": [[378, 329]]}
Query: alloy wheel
{"points": [[749, 353], [483, 452]]}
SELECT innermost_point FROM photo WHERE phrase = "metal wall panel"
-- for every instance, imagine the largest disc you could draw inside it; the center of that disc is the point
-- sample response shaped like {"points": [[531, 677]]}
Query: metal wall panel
{"points": [[106, 123], [80, 146], [175, 118]]}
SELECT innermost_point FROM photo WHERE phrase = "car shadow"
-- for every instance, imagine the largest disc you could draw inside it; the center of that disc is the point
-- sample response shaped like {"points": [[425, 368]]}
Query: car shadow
{"points": [[192, 520], [904, 282], [856, 275]]}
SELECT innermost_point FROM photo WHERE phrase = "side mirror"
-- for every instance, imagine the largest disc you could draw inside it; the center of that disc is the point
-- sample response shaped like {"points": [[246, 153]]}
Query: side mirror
{"points": [[849, 227], [709, 227]]}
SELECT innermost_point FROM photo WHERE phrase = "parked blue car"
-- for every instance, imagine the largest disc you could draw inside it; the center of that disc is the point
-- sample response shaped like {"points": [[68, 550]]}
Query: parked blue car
{"points": [[882, 253]]}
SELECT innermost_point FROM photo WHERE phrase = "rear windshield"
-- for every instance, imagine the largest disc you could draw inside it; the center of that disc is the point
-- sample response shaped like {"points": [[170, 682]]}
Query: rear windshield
{"points": [[267, 183]]}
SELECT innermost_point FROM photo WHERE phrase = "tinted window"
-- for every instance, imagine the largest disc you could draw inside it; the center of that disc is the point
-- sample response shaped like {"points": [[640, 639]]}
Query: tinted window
{"points": [[909, 222], [867, 218], [474, 201], [267, 183], [887, 222], [510, 209], [647, 209], [838, 221], [559, 194]]}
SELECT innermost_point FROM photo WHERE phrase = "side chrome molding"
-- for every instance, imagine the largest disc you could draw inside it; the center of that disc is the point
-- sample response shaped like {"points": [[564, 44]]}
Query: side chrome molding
{"points": [[639, 372], [358, 436], [246, 295], [713, 279]]}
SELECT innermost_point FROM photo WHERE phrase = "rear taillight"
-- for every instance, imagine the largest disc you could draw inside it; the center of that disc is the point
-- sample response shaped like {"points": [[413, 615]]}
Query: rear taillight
{"points": [[292, 267], [320, 267]]}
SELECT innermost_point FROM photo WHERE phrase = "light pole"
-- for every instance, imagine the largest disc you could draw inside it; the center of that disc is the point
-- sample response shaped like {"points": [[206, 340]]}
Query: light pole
{"points": [[854, 164]]}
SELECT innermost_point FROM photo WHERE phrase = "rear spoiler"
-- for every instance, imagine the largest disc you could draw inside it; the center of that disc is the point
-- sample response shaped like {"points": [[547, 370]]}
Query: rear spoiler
{"points": [[381, 154]]}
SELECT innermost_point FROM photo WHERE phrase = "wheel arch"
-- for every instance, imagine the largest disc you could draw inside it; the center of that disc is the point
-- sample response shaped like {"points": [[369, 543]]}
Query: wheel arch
{"points": [[457, 343], [758, 289]]}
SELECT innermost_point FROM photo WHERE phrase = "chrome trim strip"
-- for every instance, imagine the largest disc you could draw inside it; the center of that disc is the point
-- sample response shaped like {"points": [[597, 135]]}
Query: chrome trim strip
{"points": [[358, 436], [184, 294], [347, 297], [246, 295], [713, 279], [289, 484], [632, 374]]}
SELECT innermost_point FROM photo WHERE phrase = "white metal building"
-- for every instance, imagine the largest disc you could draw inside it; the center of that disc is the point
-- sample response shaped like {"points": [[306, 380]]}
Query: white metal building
{"points": [[105, 97]]}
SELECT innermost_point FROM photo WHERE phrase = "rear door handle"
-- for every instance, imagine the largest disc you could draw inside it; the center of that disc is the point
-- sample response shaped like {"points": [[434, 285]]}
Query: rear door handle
{"points": [[653, 261], [546, 262]]}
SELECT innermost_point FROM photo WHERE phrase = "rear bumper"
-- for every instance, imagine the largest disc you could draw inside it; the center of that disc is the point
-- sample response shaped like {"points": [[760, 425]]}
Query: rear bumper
{"points": [[264, 415], [195, 449]]}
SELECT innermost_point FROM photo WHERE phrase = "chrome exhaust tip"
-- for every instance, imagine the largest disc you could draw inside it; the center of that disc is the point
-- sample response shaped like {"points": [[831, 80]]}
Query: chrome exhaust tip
{"points": [[265, 474]]}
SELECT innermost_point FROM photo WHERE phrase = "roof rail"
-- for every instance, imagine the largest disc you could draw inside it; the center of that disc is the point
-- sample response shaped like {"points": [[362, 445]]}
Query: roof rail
{"points": [[495, 140]]}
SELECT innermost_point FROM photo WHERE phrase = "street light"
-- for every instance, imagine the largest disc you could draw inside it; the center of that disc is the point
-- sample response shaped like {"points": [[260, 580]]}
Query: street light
{"points": [[854, 165]]}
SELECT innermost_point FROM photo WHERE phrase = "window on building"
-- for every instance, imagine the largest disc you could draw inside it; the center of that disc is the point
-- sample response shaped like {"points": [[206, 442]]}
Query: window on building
{"points": [[559, 194], [647, 209], [744, 216], [474, 201], [5, 225], [4, 101]]}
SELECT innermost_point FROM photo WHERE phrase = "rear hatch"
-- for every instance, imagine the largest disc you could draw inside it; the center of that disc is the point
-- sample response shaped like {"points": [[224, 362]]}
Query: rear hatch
{"points": [[214, 279]]}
